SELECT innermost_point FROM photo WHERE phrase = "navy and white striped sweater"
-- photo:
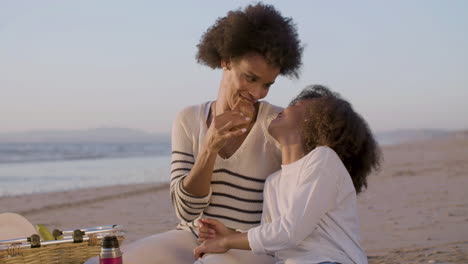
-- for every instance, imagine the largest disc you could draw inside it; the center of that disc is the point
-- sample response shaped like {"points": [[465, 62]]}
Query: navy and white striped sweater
{"points": [[236, 193]]}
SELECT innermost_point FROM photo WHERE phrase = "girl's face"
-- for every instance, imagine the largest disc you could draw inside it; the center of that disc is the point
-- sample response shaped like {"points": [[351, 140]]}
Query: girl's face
{"points": [[249, 77], [291, 120]]}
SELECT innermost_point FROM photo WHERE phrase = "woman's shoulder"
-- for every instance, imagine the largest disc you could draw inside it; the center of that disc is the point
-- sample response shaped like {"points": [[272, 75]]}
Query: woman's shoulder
{"points": [[193, 109], [268, 109], [191, 113], [267, 113]]}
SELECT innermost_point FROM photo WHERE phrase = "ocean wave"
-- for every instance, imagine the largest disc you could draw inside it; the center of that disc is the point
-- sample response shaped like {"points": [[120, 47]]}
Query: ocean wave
{"points": [[36, 152]]}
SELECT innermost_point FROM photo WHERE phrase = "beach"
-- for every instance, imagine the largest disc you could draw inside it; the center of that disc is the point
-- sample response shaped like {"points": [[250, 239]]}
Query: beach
{"points": [[415, 209]]}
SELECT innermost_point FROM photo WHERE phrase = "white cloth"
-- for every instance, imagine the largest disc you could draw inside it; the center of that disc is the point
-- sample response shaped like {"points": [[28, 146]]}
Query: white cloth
{"points": [[310, 213]]}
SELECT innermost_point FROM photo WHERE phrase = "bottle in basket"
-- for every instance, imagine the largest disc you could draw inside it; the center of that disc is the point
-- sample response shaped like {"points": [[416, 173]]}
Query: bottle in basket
{"points": [[110, 251]]}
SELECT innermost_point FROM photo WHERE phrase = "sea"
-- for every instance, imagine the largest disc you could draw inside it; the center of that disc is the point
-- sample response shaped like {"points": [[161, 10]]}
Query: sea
{"points": [[27, 168], [48, 167]]}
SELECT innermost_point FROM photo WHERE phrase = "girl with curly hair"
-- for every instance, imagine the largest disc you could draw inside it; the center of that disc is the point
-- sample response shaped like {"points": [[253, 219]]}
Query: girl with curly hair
{"points": [[221, 150], [310, 208]]}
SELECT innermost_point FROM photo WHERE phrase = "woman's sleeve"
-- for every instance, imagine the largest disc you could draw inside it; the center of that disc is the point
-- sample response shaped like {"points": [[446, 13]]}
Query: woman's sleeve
{"points": [[188, 207], [314, 196]]}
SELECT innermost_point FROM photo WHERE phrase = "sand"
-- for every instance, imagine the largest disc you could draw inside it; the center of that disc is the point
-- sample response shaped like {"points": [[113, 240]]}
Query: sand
{"points": [[414, 211]]}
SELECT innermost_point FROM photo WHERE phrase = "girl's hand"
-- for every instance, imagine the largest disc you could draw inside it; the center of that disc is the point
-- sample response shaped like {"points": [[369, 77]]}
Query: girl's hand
{"points": [[216, 245], [211, 228], [223, 127]]}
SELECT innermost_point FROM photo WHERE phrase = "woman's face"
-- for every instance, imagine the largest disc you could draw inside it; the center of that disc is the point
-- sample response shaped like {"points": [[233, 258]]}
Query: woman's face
{"points": [[290, 120], [249, 77]]}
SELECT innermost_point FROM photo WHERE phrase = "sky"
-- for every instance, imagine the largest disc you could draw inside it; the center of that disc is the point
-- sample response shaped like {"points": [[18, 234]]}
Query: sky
{"points": [[84, 64]]}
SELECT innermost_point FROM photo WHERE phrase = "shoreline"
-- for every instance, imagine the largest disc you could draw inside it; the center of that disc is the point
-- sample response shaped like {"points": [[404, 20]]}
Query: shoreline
{"points": [[78, 197]]}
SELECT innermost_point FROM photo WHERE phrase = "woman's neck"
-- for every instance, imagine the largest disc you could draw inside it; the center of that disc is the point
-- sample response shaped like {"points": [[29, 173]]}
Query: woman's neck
{"points": [[222, 104]]}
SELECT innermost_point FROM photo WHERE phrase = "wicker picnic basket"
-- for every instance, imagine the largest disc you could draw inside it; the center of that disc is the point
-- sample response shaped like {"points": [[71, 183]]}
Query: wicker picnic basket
{"points": [[76, 247]]}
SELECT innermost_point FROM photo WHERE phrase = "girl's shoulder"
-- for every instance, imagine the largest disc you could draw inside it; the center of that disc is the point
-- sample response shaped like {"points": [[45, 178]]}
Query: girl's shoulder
{"points": [[320, 159], [323, 155], [324, 159], [272, 180]]}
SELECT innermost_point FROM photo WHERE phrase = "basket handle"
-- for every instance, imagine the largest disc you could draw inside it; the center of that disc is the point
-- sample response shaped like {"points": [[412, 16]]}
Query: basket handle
{"points": [[78, 236], [34, 240]]}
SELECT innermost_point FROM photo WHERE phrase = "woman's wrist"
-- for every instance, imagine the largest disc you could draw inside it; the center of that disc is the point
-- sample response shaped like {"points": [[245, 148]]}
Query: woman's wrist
{"points": [[210, 150], [225, 242], [232, 231]]}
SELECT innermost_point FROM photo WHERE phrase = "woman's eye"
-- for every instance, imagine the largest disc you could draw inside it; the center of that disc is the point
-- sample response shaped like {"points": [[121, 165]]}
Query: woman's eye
{"points": [[250, 78]]}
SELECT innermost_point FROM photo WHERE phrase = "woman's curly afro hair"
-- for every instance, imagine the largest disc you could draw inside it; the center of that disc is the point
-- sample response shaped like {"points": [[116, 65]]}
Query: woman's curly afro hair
{"points": [[257, 29], [332, 122]]}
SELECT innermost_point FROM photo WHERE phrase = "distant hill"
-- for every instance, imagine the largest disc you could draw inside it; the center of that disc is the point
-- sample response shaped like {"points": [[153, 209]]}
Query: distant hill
{"points": [[96, 135], [463, 134], [402, 136]]}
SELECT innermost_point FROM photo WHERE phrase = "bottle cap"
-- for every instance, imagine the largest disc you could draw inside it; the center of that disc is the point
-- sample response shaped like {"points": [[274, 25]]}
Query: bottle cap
{"points": [[110, 242]]}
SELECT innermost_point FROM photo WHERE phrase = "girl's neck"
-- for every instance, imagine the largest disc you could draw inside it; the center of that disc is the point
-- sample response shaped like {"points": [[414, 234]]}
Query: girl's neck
{"points": [[292, 149]]}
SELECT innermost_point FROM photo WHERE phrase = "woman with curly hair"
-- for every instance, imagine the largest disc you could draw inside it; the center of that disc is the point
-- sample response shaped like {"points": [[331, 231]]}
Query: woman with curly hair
{"points": [[310, 208], [221, 150]]}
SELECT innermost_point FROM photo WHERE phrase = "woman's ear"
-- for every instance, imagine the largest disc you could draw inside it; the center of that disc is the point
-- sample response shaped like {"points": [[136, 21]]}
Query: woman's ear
{"points": [[226, 64]]}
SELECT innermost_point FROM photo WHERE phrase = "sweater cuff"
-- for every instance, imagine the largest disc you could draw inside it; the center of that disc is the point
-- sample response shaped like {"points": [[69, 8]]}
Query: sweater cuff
{"points": [[253, 235], [184, 195]]}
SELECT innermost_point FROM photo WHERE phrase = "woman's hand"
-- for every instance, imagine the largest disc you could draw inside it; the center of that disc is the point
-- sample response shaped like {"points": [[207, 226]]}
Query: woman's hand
{"points": [[216, 245], [223, 127], [211, 228]]}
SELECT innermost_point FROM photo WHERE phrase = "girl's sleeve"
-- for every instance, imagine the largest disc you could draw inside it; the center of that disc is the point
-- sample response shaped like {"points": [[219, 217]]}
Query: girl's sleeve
{"points": [[266, 217], [315, 195]]}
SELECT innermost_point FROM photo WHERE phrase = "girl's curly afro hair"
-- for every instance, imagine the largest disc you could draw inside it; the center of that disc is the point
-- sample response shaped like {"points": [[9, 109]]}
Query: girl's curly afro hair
{"points": [[333, 122]]}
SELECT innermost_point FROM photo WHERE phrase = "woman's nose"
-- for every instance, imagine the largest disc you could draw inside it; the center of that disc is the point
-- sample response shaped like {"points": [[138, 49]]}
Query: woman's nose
{"points": [[258, 92]]}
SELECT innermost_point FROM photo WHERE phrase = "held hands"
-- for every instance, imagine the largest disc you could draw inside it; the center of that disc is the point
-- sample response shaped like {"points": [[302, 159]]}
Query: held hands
{"points": [[225, 126], [216, 245], [211, 228], [212, 233]]}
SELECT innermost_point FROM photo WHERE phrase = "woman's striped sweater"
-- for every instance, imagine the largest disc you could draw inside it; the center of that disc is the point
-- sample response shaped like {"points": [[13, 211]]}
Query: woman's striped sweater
{"points": [[236, 192]]}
